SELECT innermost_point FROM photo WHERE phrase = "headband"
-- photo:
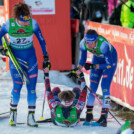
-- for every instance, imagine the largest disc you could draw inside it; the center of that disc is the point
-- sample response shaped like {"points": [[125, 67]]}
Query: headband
{"points": [[90, 38], [25, 18]]}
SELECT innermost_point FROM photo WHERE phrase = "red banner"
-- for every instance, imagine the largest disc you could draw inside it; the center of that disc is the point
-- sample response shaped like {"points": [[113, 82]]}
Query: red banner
{"points": [[55, 30], [122, 39]]}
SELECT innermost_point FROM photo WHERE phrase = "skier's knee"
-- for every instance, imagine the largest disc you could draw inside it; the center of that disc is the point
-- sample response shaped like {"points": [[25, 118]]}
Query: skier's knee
{"points": [[32, 99]]}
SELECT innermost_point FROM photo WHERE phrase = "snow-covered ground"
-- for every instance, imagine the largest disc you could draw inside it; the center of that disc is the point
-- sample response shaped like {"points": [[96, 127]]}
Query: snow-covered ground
{"points": [[57, 79]]}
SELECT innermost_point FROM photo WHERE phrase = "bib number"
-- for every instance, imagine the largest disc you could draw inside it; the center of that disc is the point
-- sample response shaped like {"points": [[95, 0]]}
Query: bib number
{"points": [[22, 41]]}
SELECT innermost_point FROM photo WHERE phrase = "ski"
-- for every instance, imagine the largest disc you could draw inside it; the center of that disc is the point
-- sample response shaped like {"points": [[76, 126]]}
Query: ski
{"points": [[13, 59], [4, 113], [40, 121], [4, 117], [81, 119]]}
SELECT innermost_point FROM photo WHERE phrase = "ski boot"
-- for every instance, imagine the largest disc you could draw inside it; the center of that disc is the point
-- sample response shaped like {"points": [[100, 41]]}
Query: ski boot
{"points": [[30, 119], [13, 117], [101, 122], [103, 119], [89, 116]]}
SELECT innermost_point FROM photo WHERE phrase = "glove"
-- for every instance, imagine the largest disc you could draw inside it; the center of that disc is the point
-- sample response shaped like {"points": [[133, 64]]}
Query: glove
{"points": [[77, 73], [89, 66], [46, 62], [3, 51]]}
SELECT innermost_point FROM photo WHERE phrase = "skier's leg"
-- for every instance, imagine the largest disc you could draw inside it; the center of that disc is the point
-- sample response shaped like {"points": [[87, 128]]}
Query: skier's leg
{"points": [[77, 91], [105, 85], [32, 74], [15, 94], [55, 92], [95, 76]]}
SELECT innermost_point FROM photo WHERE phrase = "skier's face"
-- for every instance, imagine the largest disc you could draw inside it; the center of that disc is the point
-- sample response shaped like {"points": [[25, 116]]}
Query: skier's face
{"points": [[91, 45], [24, 24]]}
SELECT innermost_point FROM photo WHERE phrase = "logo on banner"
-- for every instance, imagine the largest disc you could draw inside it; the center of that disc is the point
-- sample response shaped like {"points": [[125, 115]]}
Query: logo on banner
{"points": [[38, 3]]}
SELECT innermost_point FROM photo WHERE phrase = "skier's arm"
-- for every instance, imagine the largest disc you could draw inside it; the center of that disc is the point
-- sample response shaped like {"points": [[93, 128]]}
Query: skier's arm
{"points": [[3, 31], [82, 99], [83, 54], [37, 31], [51, 101], [107, 55]]}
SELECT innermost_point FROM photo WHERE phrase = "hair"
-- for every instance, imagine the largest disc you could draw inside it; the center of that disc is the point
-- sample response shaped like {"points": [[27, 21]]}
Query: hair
{"points": [[132, 125], [20, 9], [66, 95], [91, 32]]}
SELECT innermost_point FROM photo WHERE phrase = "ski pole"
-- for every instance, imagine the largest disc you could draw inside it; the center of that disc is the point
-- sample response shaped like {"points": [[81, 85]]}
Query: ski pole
{"points": [[46, 71], [43, 105], [114, 117], [102, 103]]}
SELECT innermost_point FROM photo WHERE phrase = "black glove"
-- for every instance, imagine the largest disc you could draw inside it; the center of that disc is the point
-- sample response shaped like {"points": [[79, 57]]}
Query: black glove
{"points": [[76, 73], [46, 62], [3, 51], [89, 66]]}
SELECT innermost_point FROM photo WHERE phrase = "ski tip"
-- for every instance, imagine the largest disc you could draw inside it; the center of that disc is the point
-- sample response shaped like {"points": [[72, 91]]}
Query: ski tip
{"points": [[41, 118]]}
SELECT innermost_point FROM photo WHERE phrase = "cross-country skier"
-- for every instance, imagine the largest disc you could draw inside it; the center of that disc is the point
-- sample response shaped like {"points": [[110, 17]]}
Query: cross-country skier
{"points": [[66, 106], [103, 66], [20, 29], [126, 128]]}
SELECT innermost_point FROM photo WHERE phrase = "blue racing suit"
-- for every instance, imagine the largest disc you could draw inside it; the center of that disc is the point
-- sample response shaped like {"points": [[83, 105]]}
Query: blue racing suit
{"points": [[105, 55], [25, 51]]}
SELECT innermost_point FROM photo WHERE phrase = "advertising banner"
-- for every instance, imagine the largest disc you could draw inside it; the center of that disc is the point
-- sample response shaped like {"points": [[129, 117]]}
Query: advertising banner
{"points": [[55, 28], [40, 7], [122, 87]]}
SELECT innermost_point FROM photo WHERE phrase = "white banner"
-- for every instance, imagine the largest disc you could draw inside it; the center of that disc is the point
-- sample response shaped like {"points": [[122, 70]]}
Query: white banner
{"points": [[39, 7]]}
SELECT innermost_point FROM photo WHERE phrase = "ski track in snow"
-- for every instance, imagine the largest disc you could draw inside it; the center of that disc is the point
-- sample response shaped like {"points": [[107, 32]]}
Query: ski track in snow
{"points": [[56, 79]]}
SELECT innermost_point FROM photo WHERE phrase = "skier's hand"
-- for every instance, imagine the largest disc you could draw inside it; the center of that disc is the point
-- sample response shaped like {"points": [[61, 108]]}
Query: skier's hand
{"points": [[46, 62], [77, 73], [89, 66], [3, 51]]}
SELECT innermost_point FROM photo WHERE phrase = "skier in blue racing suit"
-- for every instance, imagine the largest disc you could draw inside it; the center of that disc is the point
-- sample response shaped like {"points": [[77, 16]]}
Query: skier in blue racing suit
{"points": [[20, 29], [103, 67]]}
